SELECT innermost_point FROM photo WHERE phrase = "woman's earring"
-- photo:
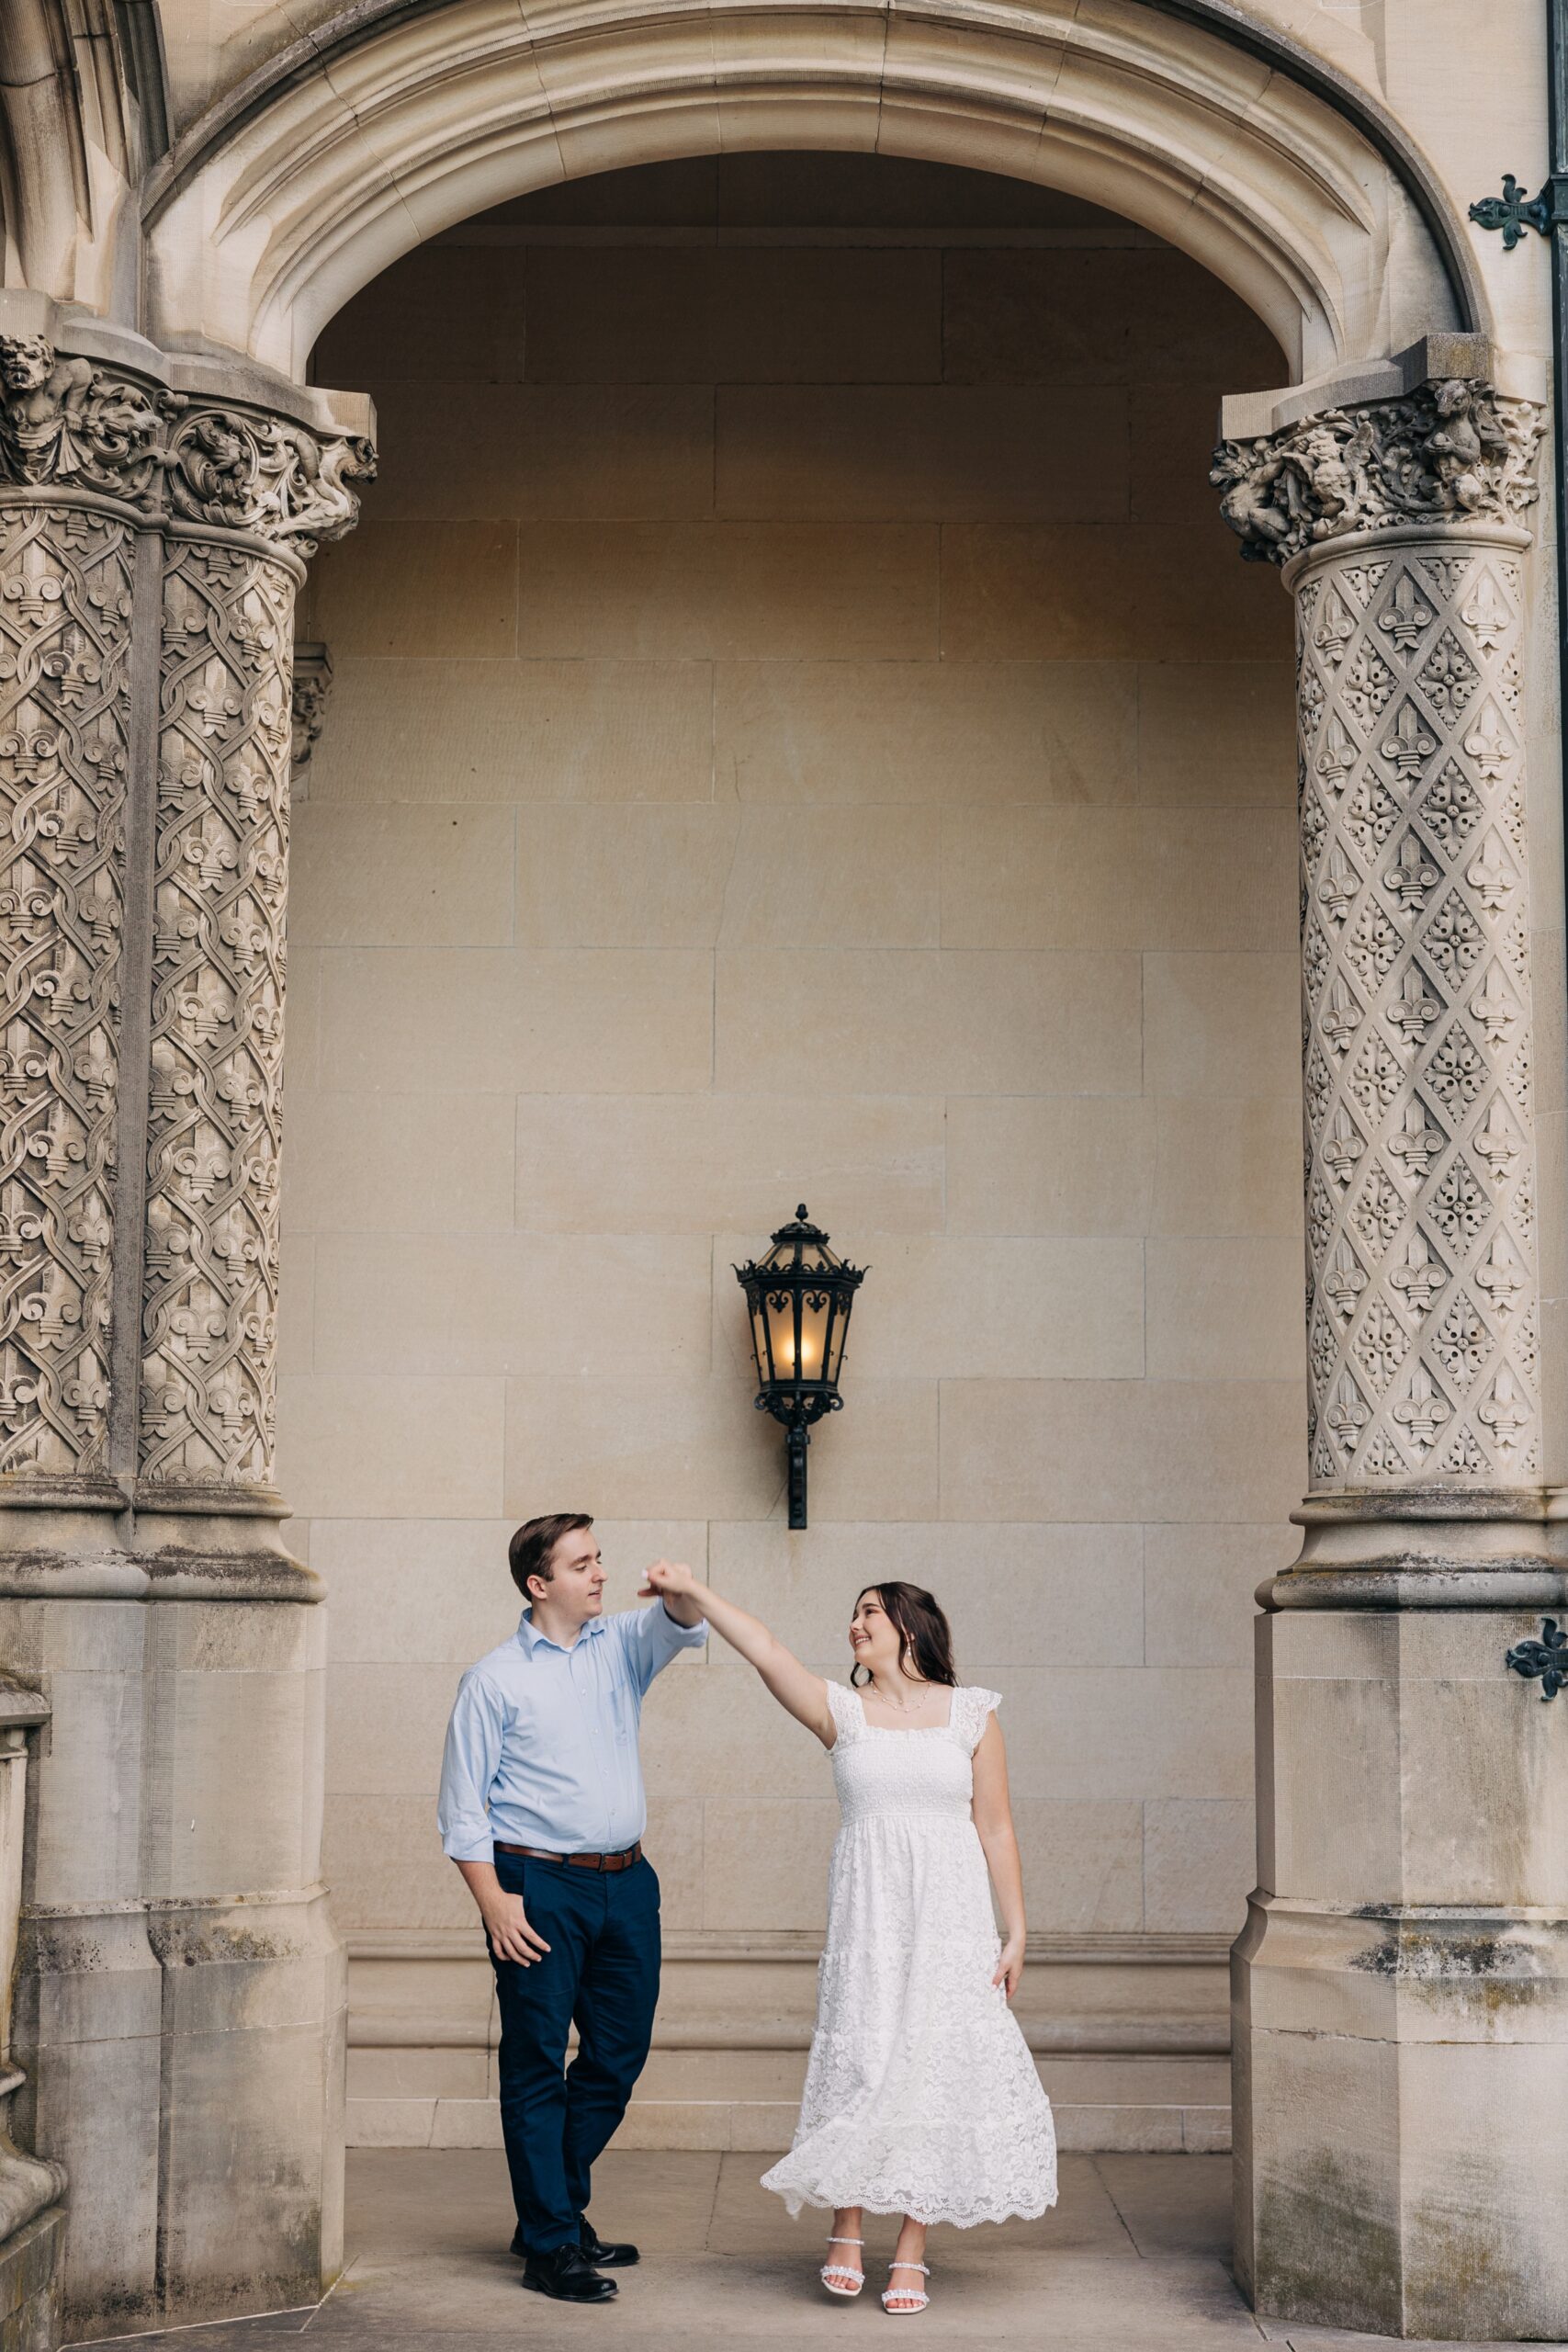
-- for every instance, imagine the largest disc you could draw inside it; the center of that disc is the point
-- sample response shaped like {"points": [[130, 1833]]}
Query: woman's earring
{"points": [[855, 1673]]}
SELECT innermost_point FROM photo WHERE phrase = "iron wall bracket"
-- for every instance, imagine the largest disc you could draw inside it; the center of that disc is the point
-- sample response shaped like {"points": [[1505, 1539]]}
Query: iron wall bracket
{"points": [[1514, 212], [1548, 1658]]}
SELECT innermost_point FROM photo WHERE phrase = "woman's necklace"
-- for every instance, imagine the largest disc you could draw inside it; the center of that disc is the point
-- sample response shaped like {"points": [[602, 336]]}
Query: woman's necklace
{"points": [[900, 1706]]}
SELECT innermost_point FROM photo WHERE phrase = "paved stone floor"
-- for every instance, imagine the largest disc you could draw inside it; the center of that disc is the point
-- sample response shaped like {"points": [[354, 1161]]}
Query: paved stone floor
{"points": [[1132, 2260]]}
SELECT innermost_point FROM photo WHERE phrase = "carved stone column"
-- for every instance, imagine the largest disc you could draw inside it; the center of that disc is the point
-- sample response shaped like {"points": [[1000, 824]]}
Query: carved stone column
{"points": [[180, 1996], [1401, 1990]]}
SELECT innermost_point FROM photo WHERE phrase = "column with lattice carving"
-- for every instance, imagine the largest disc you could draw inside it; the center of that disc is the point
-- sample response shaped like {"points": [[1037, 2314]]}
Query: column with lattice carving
{"points": [[178, 1966], [1401, 1989], [1423, 1306]]}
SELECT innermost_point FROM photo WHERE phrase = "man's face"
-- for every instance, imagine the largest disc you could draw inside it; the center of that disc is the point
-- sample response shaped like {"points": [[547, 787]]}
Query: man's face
{"points": [[576, 1588]]}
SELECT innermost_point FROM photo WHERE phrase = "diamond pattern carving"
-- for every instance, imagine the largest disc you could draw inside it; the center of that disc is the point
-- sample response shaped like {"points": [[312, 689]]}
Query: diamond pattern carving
{"points": [[1457, 1071], [1417, 1007], [1369, 683], [210, 1306], [1447, 678], [1452, 809], [65, 584]]}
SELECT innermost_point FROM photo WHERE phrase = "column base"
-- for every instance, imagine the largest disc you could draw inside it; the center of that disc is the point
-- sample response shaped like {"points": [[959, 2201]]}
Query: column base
{"points": [[1399, 1992], [1402, 2147]]}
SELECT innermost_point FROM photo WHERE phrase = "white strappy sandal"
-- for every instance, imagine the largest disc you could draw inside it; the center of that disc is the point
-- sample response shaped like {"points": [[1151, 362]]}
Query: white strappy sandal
{"points": [[833, 2271], [909, 2299]]}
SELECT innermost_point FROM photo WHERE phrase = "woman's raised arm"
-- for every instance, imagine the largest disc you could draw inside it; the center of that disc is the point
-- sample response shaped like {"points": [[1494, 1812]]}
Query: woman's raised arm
{"points": [[795, 1688]]}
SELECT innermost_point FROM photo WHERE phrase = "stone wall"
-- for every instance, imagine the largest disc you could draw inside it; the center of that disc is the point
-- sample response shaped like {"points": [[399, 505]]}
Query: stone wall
{"points": [[801, 731]]}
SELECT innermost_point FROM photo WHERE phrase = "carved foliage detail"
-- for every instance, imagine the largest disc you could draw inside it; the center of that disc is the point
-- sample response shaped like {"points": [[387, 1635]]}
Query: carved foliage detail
{"points": [[68, 421], [1415, 1000], [1448, 451], [65, 585], [210, 1308]]}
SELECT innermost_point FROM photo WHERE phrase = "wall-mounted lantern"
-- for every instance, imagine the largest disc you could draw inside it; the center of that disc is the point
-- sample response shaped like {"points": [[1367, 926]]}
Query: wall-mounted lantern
{"points": [[799, 1297]]}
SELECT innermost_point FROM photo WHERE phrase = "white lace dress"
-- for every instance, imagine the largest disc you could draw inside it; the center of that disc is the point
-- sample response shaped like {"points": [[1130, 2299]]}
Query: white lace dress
{"points": [[921, 2094]]}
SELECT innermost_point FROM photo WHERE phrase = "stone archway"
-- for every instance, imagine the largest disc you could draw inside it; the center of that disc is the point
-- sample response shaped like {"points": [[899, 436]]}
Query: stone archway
{"points": [[159, 496]]}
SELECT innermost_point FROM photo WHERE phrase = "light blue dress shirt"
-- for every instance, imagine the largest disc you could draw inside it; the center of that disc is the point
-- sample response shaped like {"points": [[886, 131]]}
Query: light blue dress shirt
{"points": [[542, 1747]]}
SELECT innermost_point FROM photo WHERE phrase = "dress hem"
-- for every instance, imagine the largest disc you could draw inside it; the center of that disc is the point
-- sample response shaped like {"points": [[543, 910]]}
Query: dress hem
{"points": [[796, 2200]]}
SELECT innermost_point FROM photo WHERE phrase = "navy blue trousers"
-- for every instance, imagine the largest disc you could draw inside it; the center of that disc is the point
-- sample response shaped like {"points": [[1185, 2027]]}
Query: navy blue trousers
{"points": [[601, 1974]]}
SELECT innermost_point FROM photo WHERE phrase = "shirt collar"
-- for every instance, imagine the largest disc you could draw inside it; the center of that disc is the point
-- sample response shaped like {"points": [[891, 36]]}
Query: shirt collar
{"points": [[528, 1640]]}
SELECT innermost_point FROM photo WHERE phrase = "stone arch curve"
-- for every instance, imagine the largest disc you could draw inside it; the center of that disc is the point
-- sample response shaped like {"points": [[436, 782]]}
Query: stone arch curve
{"points": [[391, 123]]}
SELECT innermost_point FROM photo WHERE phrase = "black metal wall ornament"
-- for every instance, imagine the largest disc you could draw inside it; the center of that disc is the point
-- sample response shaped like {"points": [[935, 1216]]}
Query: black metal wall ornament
{"points": [[799, 1297], [1514, 212], [1548, 1658]]}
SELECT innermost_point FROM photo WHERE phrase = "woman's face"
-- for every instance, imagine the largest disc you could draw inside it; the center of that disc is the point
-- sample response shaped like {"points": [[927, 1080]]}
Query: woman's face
{"points": [[873, 1637]]}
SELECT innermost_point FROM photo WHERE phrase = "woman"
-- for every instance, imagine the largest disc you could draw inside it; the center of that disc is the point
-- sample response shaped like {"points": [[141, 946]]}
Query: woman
{"points": [[920, 2097]]}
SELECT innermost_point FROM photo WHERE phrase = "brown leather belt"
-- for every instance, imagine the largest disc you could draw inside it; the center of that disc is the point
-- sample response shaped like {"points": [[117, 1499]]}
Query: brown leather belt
{"points": [[579, 1861]]}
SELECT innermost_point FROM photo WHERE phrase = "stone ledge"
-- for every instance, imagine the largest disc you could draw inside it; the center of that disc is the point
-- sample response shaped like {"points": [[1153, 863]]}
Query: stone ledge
{"points": [[764, 2126]]}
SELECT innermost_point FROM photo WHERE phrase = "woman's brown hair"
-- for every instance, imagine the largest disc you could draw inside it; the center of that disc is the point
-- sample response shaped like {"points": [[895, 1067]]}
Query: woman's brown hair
{"points": [[924, 1634]]}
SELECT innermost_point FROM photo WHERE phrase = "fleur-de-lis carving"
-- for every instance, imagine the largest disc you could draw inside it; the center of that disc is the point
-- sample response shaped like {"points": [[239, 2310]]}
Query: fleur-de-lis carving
{"points": [[210, 854], [1412, 875], [1421, 1412], [1416, 1143], [1334, 628], [50, 1312], [1495, 1145], [1335, 756], [18, 1398], [94, 1235], [1344, 1281], [203, 1168], [18, 1235], [1409, 745], [1415, 1009], [1485, 613], [1501, 1274], [34, 599], [1490, 877], [1341, 1015], [1494, 1009], [1343, 1146], [193, 1331], [1504, 1413], [1487, 743], [1417, 1277], [57, 1145], [1336, 890], [1406, 616], [1347, 1416]]}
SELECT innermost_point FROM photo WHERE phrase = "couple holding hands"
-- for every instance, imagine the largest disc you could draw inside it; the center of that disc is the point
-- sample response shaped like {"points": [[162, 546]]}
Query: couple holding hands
{"points": [[921, 2098]]}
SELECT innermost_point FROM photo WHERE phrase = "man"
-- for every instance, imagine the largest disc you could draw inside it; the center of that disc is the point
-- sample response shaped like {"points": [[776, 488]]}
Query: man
{"points": [[543, 1811]]}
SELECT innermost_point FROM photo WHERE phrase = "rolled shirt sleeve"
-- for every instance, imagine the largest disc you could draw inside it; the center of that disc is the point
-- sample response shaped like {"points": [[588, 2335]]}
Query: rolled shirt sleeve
{"points": [[651, 1638], [468, 1767]]}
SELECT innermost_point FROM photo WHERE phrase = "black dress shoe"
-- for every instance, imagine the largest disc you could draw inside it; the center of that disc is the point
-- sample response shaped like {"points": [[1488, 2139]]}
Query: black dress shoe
{"points": [[564, 2274], [603, 2256]]}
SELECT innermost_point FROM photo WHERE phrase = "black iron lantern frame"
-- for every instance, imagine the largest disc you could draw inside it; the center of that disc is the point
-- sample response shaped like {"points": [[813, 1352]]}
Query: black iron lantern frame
{"points": [[799, 1298]]}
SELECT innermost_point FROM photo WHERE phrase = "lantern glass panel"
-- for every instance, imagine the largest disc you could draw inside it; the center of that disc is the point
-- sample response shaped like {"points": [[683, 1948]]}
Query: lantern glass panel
{"points": [[816, 1313], [759, 1342], [780, 1333], [839, 1327]]}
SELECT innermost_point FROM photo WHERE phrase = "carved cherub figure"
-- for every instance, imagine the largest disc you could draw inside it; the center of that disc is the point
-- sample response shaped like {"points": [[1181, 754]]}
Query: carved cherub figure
{"points": [[1467, 438], [61, 416], [1256, 494]]}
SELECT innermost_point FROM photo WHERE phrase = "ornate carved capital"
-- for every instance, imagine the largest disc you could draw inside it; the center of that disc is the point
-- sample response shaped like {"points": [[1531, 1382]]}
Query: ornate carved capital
{"points": [[1450, 451], [65, 421]]}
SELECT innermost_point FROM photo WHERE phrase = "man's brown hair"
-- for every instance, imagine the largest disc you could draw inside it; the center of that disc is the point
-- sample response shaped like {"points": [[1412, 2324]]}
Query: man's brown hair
{"points": [[530, 1549]]}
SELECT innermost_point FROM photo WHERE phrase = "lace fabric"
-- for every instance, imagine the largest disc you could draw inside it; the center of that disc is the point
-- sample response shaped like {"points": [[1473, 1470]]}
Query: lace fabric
{"points": [[920, 2096]]}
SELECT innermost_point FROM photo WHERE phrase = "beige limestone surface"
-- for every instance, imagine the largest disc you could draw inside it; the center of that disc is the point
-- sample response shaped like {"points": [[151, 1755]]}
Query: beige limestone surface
{"points": [[1132, 2259], [801, 731]]}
